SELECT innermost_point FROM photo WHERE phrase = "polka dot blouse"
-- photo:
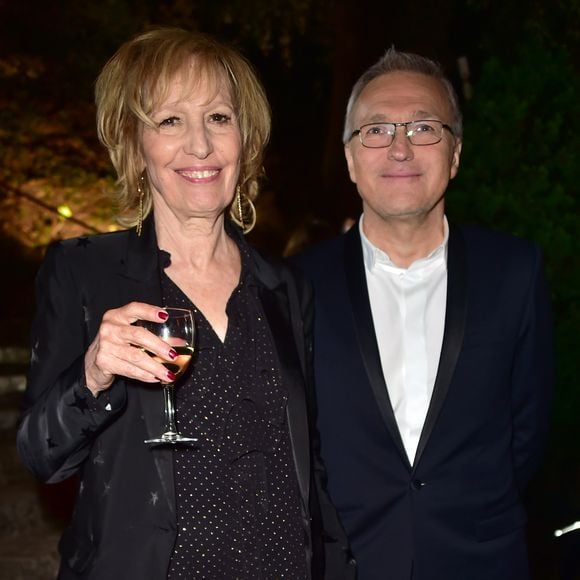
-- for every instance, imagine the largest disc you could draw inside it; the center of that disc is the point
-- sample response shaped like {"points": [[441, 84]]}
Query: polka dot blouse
{"points": [[238, 504]]}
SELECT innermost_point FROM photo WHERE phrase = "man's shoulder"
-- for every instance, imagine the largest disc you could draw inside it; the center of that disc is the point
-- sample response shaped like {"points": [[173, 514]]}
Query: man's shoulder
{"points": [[321, 254], [495, 242], [498, 255]]}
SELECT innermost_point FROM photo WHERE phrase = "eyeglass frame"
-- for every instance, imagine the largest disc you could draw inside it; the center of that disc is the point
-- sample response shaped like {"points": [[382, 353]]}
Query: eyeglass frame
{"points": [[395, 125]]}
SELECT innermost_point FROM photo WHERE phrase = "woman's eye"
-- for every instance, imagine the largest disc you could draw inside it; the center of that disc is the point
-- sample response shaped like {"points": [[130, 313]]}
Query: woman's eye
{"points": [[220, 118], [169, 122]]}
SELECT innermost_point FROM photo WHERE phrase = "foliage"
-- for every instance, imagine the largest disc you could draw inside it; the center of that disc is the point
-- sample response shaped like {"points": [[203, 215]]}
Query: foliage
{"points": [[48, 148], [519, 174], [503, 22], [43, 165]]}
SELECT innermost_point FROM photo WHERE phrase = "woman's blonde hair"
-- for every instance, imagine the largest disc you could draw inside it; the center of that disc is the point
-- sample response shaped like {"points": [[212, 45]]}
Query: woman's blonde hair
{"points": [[137, 79]]}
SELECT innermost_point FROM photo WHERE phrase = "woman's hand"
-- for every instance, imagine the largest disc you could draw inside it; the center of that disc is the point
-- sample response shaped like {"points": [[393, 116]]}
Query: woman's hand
{"points": [[119, 348]]}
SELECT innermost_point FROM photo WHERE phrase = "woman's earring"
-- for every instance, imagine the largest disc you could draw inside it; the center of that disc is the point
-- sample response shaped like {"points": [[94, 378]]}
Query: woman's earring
{"points": [[239, 204], [140, 215], [241, 207]]}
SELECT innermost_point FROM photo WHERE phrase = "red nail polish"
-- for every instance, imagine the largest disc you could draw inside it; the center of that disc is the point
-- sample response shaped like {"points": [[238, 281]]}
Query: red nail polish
{"points": [[163, 315], [172, 354], [171, 376]]}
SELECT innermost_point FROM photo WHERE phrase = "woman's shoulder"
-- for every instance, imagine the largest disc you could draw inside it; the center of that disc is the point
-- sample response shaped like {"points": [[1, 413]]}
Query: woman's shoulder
{"points": [[85, 245], [86, 252]]}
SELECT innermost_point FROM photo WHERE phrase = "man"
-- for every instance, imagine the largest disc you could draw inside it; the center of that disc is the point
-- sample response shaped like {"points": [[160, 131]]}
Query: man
{"points": [[433, 351]]}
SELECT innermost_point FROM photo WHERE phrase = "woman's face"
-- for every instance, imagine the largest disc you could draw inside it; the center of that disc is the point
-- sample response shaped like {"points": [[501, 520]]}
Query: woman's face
{"points": [[192, 154]]}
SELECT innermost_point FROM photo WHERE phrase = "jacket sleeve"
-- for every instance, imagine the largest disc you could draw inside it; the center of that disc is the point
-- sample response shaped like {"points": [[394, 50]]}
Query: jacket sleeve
{"points": [[339, 564], [532, 377], [60, 417]]}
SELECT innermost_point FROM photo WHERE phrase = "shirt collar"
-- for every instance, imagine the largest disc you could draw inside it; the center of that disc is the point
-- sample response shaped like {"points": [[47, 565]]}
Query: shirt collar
{"points": [[373, 256]]}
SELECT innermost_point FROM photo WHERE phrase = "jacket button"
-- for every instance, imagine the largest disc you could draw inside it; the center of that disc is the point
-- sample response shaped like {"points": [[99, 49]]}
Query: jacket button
{"points": [[417, 484]]}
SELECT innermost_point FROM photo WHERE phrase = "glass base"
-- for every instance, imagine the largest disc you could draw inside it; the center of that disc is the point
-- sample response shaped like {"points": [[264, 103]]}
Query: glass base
{"points": [[171, 438]]}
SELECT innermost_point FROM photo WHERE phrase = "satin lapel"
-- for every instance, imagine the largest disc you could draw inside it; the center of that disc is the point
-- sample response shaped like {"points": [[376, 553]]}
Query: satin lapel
{"points": [[276, 305], [139, 282], [365, 333], [455, 313]]}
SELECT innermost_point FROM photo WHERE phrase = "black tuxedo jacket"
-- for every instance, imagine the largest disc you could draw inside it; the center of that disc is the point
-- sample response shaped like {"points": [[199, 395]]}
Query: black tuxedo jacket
{"points": [[456, 513], [124, 524]]}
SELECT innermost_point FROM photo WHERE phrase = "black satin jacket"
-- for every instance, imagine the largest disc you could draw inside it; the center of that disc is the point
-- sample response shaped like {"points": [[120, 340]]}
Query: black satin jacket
{"points": [[124, 522]]}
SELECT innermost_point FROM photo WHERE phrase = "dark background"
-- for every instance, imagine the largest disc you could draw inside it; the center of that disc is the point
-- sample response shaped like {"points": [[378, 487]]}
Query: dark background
{"points": [[519, 168]]}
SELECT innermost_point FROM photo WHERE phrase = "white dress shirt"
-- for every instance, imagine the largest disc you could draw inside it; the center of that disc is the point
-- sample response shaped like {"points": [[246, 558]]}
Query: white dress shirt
{"points": [[408, 309]]}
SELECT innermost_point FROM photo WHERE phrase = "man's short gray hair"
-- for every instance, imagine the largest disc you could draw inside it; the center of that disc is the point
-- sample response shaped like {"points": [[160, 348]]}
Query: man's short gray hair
{"points": [[395, 61]]}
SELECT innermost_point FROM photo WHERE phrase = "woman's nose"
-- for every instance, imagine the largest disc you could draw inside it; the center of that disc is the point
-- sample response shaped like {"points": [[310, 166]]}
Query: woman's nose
{"points": [[198, 142]]}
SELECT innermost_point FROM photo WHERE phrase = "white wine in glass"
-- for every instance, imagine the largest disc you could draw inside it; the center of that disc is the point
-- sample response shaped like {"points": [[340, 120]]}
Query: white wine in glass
{"points": [[178, 331]]}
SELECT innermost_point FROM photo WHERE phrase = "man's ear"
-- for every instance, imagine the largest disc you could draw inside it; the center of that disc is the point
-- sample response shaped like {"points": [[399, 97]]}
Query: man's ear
{"points": [[455, 159], [350, 162]]}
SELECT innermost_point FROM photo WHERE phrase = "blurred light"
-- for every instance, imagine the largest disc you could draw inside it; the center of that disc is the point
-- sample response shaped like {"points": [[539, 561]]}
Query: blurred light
{"points": [[65, 211], [567, 529]]}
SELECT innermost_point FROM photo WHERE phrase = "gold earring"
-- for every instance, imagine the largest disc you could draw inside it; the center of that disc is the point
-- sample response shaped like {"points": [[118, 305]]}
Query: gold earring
{"points": [[239, 204], [237, 209], [140, 186]]}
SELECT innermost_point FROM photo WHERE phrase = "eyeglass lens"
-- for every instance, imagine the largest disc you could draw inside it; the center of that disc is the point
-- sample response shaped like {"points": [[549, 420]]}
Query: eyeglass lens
{"points": [[426, 132]]}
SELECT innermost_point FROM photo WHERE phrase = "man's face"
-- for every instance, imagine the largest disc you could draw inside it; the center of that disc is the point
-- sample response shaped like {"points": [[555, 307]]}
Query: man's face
{"points": [[402, 181]]}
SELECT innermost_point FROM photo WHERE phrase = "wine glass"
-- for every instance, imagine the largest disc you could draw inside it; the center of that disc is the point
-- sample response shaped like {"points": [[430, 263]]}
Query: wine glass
{"points": [[178, 331]]}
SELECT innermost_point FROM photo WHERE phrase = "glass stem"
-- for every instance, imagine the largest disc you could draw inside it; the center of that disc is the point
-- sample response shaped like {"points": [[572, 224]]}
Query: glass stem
{"points": [[168, 395]]}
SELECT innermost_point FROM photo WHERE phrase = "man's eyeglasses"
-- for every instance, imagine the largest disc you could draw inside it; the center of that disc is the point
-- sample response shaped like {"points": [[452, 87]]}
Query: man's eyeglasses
{"points": [[423, 132]]}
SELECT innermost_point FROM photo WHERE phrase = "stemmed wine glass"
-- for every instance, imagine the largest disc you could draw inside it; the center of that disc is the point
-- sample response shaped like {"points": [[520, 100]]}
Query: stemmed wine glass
{"points": [[178, 331]]}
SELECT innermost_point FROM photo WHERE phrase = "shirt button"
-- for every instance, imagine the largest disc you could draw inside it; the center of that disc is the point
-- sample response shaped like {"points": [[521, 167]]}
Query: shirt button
{"points": [[417, 485]]}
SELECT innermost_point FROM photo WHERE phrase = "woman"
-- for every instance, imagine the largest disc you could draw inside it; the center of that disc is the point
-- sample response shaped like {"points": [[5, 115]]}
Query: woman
{"points": [[185, 122]]}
